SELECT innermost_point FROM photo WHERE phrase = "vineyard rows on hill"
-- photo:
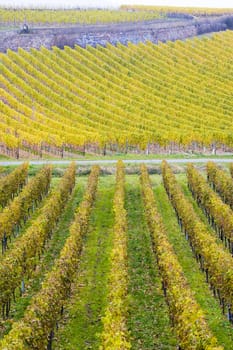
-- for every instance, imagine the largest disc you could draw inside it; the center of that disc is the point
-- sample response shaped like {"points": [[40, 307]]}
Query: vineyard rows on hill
{"points": [[118, 98], [126, 13], [116, 262], [11, 16], [194, 11]]}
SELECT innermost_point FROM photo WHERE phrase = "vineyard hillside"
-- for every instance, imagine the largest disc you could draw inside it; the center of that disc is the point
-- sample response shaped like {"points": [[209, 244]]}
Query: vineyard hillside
{"points": [[144, 97], [135, 254]]}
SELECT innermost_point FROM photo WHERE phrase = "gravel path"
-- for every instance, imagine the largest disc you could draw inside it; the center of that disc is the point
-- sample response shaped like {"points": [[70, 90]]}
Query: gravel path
{"points": [[130, 161]]}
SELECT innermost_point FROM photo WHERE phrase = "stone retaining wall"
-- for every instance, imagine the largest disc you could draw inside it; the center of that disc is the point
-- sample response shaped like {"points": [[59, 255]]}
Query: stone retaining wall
{"points": [[101, 34]]}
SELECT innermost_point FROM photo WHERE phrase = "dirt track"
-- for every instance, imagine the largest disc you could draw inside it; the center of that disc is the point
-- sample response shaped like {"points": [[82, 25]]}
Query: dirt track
{"points": [[114, 161]]}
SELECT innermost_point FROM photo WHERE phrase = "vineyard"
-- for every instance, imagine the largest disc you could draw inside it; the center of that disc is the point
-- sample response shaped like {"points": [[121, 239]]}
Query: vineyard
{"points": [[135, 98], [116, 262], [126, 13], [116, 257], [9, 16], [194, 11]]}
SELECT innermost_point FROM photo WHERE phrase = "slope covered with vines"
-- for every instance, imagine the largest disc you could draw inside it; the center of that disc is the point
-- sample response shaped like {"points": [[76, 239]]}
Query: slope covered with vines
{"points": [[73, 16], [195, 11], [119, 97]]}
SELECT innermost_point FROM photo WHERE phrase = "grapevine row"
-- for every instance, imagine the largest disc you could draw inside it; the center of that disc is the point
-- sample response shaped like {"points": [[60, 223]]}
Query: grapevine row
{"points": [[115, 335], [221, 182], [214, 260], [37, 325], [20, 261], [19, 209], [231, 170], [11, 184], [186, 315], [219, 214]]}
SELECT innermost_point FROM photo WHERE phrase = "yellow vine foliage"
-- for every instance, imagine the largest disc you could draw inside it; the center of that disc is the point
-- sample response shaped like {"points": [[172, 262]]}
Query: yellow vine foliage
{"points": [[214, 260], [12, 184], [195, 11], [73, 16], [22, 258], [130, 96], [186, 315], [40, 317], [221, 182], [217, 210]]}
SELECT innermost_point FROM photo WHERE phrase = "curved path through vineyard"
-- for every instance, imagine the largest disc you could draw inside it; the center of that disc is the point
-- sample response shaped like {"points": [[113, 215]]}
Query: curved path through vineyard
{"points": [[114, 161]]}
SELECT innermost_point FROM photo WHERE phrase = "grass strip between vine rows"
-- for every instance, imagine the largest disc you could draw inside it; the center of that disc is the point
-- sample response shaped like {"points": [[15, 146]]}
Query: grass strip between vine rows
{"points": [[115, 335], [37, 325], [213, 259], [219, 214], [186, 315], [12, 184], [82, 316], [148, 320]]}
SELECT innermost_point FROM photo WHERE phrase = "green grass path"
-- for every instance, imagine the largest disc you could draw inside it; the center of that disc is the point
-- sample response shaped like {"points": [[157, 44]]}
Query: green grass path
{"points": [[148, 319], [82, 325], [218, 324]]}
